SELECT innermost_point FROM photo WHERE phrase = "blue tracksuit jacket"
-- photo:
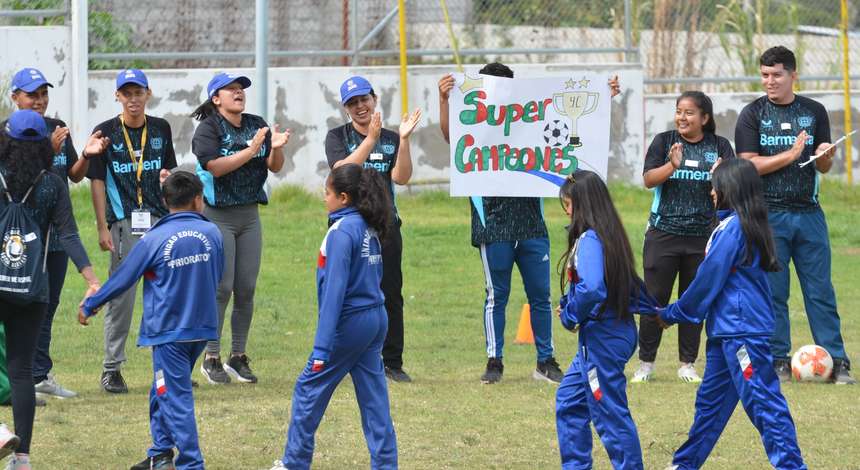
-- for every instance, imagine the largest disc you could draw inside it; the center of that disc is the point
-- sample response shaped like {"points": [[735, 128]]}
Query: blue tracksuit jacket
{"points": [[594, 388], [181, 259], [350, 333], [734, 297], [349, 271]]}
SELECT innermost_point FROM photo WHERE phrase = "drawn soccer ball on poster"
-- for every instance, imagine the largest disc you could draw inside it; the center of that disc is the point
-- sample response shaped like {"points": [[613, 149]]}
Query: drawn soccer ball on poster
{"points": [[811, 363], [556, 133]]}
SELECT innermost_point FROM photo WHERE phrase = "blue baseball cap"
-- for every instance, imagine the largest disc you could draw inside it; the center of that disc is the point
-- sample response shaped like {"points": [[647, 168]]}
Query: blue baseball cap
{"points": [[222, 79], [26, 124], [28, 80], [354, 86], [135, 76]]}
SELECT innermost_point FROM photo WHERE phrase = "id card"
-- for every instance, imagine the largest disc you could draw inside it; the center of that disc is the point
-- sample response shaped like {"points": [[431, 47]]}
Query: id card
{"points": [[141, 220]]}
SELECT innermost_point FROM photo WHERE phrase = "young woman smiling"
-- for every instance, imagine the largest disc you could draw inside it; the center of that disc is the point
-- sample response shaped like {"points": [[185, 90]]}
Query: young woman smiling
{"points": [[235, 152], [677, 167]]}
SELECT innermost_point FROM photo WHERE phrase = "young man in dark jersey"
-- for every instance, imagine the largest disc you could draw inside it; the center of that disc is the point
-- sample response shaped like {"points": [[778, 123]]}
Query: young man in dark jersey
{"points": [[778, 132], [126, 190], [30, 91]]}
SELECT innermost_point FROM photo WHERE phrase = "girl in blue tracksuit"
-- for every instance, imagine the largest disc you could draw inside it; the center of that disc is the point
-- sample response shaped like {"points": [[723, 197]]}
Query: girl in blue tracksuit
{"points": [[182, 253], [352, 320], [732, 293], [604, 293]]}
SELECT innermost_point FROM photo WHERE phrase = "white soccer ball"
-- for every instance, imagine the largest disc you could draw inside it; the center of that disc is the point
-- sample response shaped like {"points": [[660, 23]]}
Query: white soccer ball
{"points": [[811, 363], [556, 133]]}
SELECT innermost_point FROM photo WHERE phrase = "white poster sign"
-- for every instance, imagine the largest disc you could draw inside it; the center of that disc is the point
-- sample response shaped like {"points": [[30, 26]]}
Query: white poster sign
{"points": [[522, 137]]}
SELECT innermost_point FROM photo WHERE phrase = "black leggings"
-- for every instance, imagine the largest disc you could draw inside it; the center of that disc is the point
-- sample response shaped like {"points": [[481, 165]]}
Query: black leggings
{"points": [[665, 256], [22, 324], [392, 286]]}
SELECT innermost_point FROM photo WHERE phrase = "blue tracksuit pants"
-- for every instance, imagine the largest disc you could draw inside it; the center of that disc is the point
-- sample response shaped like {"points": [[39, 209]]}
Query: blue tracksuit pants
{"points": [[171, 403], [803, 237], [532, 258], [594, 389], [740, 368], [357, 351]]}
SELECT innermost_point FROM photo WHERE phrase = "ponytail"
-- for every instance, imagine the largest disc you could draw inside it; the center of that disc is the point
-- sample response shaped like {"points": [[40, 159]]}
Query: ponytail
{"points": [[204, 110], [367, 192]]}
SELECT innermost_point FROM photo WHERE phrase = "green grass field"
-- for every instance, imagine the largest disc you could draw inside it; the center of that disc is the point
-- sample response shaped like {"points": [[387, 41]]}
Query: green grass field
{"points": [[446, 418]]}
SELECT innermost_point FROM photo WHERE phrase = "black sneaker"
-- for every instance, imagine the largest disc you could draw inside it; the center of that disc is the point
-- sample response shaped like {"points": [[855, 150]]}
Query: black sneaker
{"points": [[214, 371], [842, 373], [494, 371], [397, 374], [549, 371], [162, 461], [238, 369], [113, 382]]}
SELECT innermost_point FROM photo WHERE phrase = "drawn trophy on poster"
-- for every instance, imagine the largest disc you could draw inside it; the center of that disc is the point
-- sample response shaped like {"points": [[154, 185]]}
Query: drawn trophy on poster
{"points": [[575, 104]]}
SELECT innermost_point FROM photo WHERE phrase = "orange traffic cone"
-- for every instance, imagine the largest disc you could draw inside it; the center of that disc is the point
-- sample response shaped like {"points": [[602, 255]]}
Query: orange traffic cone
{"points": [[524, 330]]}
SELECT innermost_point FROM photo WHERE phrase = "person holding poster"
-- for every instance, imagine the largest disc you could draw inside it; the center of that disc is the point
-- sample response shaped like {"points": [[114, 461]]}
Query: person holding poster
{"points": [[778, 132], [508, 231], [677, 167], [364, 142]]}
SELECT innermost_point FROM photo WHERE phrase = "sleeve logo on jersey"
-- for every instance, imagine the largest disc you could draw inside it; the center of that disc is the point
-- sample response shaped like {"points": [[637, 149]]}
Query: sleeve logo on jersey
{"points": [[767, 125], [594, 383], [156, 143], [60, 159], [745, 362]]}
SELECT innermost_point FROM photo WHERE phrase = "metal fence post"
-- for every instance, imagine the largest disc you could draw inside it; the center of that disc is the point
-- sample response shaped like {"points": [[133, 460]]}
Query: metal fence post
{"points": [[628, 32], [261, 57], [80, 68], [846, 80]]}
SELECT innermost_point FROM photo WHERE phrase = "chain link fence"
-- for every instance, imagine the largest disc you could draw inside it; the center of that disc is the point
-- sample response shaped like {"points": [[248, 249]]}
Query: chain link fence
{"points": [[708, 44]]}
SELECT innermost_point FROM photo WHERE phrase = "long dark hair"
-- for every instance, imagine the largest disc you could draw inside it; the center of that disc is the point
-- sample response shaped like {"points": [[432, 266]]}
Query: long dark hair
{"points": [[592, 208], [204, 110], [739, 187], [367, 192], [703, 102], [22, 161]]}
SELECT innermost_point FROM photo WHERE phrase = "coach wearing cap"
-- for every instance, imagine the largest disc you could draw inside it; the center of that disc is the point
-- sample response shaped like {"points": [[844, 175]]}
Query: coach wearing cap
{"points": [[363, 141], [126, 191]]}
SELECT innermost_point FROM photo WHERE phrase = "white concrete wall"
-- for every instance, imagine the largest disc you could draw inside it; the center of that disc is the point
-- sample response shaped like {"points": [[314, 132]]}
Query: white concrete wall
{"points": [[47, 48], [307, 101]]}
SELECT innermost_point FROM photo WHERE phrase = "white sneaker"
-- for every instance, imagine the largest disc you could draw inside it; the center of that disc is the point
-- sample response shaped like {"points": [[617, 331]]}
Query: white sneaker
{"points": [[8, 441], [643, 373], [687, 373], [278, 465], [50, 386], [19, 462]]}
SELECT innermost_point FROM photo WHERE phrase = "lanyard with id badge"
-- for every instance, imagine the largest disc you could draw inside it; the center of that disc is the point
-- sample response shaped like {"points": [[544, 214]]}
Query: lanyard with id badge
{"points": [[141, 219]]}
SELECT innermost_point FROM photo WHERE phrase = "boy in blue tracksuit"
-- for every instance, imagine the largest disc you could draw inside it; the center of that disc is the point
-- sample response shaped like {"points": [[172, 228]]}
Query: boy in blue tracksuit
{"points": [[352, 321], [594, 388], [731, 292], [180, 254]]}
